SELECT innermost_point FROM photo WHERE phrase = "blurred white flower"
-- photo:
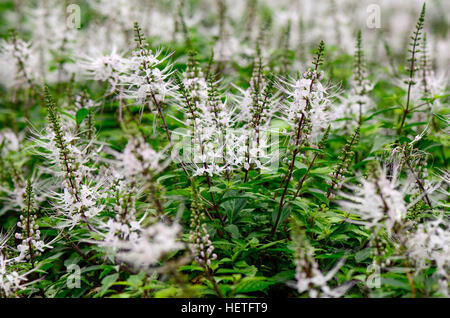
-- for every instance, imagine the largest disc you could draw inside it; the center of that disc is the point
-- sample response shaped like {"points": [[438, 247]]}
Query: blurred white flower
{"points": [[379, 201], [107, 68], [17, 63], [10, 281], [152, 244], [431, 243]]}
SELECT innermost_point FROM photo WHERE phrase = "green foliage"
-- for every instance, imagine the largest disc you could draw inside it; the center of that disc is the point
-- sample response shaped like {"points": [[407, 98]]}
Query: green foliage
{"points": [[252, 218]]}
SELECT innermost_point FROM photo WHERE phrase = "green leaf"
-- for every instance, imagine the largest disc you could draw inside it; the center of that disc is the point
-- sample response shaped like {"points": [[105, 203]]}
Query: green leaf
{"points": [[136, 280], [233, 230], [284, 276], [107, 282], [248, 271], [300, 165], [319, 195], [381, 141], [299, 173], [234, 206], [253, 284], [166, 292], [312, 149], [322, 171], [81, 114], [382, 111], [441, 118], [396, 283], [362, 255], [269, 245], [107, 269], [301, 204]]}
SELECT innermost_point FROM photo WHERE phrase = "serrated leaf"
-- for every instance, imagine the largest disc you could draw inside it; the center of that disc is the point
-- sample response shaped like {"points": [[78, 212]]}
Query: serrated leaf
{"points": [[253, 284], [234, 206]]}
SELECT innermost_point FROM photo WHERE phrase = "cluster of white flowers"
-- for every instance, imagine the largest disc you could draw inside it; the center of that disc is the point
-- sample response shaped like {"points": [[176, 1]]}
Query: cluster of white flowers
{"points": [[225, 48], [200, 244], [77, 194], [31, 244], [308, 104], [211, 137], [379, 201], [356, 104], [257, 106], [139, 158], [78, 204], [144, 80], [152, 244], [430, 83], [157, 19], [82, 187], [54, 39], [309, 277], [30, 237], [50, 24], [106, 68], [97, 187], [118, 229], [123, 226], [129, 173], [315, 282], [10, 281], [17, 63], [430, 242], [217, 135], [223, 135]]}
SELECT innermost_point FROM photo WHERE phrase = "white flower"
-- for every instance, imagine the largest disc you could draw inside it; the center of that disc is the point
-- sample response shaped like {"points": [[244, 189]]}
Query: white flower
{"points": [[378, 201], [211, 140], [226, 48], [153, 243], [431, 242], [79, 188], [17, 63], [10, 281], [309, 277], [30, 237], [144, 81], [10, 141], [47, 23], [139, 158], [308, 103], [256, 107], [107, 68]]}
